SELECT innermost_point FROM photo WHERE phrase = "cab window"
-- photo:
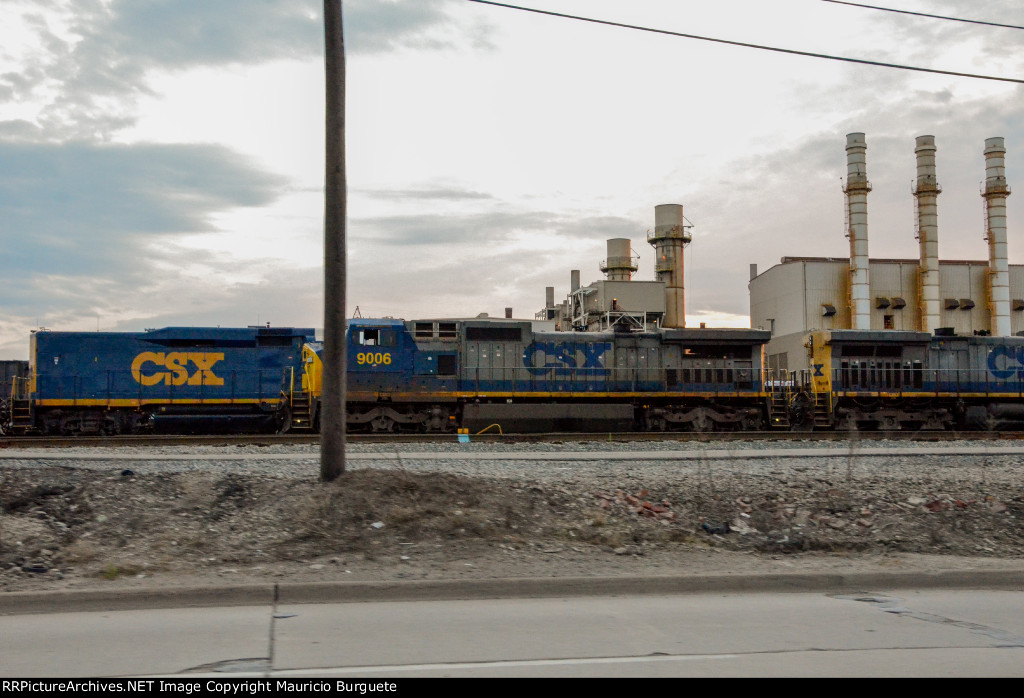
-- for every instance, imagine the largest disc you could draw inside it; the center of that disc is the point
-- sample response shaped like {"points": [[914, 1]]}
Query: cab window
{"points": [[376, 337]]}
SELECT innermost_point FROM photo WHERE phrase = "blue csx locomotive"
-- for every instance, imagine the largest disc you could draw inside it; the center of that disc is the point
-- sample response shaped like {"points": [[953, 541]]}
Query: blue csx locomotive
{"points": [[174, 379], [443, 375], [440, 375]]}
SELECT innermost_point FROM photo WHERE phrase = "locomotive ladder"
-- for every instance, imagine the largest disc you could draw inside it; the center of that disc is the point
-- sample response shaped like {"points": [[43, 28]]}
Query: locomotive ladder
{"points": [[822, 410], [301, 417], [778, 404], [21, 406]]}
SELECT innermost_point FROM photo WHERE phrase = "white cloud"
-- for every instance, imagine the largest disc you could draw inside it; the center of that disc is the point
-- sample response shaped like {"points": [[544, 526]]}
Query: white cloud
{"points": [[161, 162]]}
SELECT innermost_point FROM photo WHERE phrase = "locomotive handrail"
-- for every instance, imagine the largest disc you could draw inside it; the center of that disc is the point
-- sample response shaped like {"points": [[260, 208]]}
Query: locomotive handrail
{"points": [[19, 387]]}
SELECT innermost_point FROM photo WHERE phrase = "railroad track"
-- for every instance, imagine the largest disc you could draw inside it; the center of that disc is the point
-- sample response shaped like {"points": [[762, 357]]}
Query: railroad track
{"points": [[633, 437]]}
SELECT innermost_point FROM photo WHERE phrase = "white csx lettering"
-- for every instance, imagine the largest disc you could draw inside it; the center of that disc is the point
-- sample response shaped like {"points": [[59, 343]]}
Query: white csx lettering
{"points": [[176, 362]]}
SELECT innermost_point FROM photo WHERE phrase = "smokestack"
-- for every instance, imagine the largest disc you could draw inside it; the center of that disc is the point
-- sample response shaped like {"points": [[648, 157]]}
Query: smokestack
{"points": [[574, 280], [753, 272], [508, 312], [549, 297], [669, 238], [857, 188], [927, 192], [619, 266], [995, 195]]}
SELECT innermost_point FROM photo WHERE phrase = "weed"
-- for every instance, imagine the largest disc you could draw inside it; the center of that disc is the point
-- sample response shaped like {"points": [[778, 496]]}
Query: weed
{"points": [[112, 571]]}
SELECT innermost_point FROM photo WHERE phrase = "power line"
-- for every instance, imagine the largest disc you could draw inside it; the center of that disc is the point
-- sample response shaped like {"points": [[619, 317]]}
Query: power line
{"points": [[746, 45], [924, 14]]}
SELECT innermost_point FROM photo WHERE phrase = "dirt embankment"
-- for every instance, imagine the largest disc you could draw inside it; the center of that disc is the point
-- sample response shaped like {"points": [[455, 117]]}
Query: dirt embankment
{"points": [[68, 527]]}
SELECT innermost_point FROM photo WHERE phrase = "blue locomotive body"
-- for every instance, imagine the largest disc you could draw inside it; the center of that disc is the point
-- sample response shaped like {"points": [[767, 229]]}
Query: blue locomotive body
{"points": [[909, 380], [439, 375], [175, 379]]}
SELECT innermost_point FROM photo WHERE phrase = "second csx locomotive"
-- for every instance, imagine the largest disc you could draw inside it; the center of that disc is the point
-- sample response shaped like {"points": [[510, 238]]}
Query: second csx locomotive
{"points": [[440, 375]]}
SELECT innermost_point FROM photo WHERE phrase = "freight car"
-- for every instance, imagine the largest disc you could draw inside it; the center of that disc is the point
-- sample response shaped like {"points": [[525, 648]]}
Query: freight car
{"points": [[176, 379], [893, 380], [442, 375]]}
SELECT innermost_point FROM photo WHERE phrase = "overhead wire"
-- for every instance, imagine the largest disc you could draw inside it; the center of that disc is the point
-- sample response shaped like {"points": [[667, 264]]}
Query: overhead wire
{"points": [[809, 54], [924, 14]]}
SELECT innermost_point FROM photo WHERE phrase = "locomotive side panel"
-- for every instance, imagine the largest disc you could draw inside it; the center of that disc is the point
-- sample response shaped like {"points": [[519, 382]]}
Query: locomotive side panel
{"points": [[996, 397], [492, 355], [190, 379], [997, 363]]}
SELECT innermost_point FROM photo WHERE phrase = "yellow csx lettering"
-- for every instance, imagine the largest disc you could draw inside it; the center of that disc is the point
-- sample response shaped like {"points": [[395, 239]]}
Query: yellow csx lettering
{"points": [[177, 373]]}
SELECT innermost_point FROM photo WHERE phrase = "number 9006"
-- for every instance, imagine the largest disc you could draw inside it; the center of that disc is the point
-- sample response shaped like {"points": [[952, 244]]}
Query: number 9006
{"points": [[370, 358]]}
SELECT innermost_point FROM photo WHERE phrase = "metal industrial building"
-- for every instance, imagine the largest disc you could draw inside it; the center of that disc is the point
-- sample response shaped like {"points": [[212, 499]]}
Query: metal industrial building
{"points": [[945, 297]]}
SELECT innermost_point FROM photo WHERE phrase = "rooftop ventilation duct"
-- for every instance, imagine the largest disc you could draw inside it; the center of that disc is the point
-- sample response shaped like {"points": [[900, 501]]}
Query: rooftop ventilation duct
{"points": [[927, 192], [995, 193], [669, 238], [856, 189]]}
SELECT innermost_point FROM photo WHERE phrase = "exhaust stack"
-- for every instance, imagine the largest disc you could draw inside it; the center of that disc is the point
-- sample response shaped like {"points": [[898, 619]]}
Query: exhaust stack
{"points": [[669, 238], [927, 192], [619, 265], [995, 193], [856, 189]]}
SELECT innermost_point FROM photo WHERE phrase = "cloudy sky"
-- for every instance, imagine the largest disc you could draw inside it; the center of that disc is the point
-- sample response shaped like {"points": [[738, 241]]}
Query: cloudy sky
{"points": [[161, 161]]}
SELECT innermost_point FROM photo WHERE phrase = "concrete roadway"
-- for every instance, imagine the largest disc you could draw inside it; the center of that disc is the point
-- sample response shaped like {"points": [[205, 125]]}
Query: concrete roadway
{"points": [[924, 625]]}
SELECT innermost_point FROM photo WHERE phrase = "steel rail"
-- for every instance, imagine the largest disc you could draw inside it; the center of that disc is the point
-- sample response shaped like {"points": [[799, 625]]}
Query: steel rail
{"points": [[620, 437]]}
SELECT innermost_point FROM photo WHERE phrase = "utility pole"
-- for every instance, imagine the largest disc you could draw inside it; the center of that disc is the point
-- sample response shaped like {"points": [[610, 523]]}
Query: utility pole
{"points": [[332, 399]]}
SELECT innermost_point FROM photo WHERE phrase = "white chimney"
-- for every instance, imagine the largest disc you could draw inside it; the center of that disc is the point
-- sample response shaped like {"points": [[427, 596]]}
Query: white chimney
{"points": [[995, 195], [927, 192], [669, 238], [857, 188]]}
